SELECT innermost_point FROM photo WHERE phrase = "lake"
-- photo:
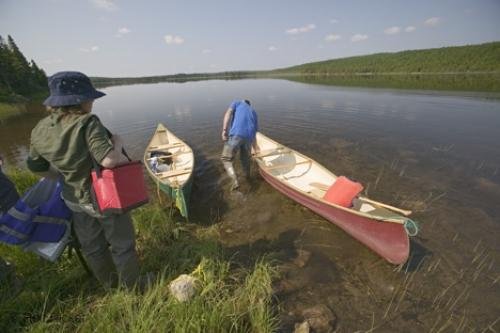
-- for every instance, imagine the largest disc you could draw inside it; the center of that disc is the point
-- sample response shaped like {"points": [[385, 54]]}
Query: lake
{"points": [[434, 152]]}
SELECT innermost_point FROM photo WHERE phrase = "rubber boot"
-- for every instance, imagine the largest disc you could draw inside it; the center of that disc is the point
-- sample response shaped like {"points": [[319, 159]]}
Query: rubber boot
{"points": [[104, 269], [128, 269], [232, 174]]}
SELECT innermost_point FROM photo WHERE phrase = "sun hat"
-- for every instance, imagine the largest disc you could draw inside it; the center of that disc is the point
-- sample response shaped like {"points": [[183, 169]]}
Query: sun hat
{"points": [[70, 88]]}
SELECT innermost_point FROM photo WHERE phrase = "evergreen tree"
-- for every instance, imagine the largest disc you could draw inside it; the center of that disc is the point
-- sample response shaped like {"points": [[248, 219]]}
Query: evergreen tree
{"points": [[17, 75]]}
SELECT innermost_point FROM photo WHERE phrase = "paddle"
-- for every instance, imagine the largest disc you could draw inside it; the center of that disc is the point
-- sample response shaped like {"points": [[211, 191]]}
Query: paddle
{"points": [[405, 212]]}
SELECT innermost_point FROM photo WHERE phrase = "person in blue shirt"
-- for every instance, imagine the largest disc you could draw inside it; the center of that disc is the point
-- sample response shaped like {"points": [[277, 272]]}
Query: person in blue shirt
{"points": [[239, 128]]}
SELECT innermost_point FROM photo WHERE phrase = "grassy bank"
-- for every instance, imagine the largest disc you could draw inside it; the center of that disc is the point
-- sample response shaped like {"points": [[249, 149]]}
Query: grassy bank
{"points": [[11, 109], [38, 296]]}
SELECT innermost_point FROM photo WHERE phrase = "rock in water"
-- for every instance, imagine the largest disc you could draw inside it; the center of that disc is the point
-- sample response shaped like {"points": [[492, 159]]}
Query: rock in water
{"points": [[302, 328], [183, 288], [320, 318]]}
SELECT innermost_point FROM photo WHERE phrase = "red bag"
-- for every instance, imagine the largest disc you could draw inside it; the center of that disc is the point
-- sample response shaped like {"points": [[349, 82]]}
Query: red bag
{"points": [[343, 191], [119, 189]]}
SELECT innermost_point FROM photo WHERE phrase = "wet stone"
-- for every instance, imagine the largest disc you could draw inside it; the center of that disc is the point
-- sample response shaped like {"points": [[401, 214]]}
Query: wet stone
{"points": [[302, 258], [320, 318], [302, 327]]}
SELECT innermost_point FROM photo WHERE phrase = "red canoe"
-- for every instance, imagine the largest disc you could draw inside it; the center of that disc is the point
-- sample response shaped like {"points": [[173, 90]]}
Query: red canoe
{"points": [[306, 181]]}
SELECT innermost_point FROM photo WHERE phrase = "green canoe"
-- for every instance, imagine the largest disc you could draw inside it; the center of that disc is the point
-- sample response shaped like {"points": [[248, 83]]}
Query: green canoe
{"points": [[170, 161]]}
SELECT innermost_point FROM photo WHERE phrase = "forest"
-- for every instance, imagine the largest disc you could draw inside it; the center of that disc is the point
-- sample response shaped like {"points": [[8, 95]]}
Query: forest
{"points": [[18, 78], [457, 59]]}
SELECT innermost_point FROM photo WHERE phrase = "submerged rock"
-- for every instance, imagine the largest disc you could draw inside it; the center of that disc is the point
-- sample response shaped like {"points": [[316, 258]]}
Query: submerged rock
{"points": [[302, 258], [183, 288], [302, 328], [320, 318]]}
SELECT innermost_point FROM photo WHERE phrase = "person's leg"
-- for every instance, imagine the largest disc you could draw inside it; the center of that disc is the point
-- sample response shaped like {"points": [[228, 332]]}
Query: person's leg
{"points": [[230, 147], [245, 152], [94, 246], [120, 234]]}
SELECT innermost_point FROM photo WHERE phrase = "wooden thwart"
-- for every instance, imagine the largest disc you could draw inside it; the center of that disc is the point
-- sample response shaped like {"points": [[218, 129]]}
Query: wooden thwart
{"points": [[166, 146], [405, 212], [173, 173], [271, 152], [279, 166]]}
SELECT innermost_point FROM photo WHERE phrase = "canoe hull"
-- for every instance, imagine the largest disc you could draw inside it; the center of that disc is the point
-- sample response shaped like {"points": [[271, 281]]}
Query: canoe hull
{"points": [[179, 196], [389, 240]]}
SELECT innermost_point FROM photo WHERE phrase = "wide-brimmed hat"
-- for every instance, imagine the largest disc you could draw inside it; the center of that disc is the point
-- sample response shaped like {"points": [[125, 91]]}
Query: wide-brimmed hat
{"points": [[70, 88]]}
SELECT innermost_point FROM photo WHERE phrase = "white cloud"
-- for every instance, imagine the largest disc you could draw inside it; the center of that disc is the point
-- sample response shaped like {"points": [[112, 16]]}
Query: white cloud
{"points": [[171, 39], [89, 49], [410, 28], [358, 38], [332, 37], [306, 28], [122, 31], [333, 21], [213, 66], [432, 22], [272, 48], [392, 30], [104, 4], [206, 51]]}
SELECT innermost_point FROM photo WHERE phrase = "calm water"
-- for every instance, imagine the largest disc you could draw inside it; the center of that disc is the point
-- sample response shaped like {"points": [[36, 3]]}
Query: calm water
{"points": [[433, 152]]}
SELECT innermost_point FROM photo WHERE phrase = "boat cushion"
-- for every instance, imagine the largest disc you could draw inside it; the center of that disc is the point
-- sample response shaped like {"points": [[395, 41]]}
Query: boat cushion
{"points": [[343, 191]]}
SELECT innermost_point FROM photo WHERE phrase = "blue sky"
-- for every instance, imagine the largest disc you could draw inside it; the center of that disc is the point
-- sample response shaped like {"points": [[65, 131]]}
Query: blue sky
{"points": [[135, 38]]}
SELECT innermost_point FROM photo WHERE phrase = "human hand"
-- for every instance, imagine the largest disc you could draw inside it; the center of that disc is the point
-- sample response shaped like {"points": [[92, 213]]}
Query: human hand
{"points": [[224, 135]]}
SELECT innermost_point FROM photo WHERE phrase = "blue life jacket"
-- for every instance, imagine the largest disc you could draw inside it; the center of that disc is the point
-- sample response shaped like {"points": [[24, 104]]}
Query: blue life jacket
{"points": [[39, 216]]}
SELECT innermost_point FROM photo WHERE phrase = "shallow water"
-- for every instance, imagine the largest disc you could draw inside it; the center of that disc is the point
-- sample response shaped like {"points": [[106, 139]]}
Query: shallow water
{"points": [[435, 153]]}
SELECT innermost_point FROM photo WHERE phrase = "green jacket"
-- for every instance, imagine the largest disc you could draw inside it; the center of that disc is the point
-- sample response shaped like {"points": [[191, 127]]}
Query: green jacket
{"points": [[66, 141]]}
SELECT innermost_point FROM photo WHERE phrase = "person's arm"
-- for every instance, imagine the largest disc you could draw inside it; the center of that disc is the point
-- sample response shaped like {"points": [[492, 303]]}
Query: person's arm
{"points": [[115, 156], [225, 123], [106, 150]]}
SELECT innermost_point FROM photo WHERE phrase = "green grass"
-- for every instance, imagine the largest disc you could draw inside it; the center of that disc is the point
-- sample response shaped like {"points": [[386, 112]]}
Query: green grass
{"points": [[42, 297], [10, 109]]}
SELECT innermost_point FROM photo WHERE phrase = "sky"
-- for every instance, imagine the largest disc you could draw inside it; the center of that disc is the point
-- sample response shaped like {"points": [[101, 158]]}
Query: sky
{"points": [[124, 38]]}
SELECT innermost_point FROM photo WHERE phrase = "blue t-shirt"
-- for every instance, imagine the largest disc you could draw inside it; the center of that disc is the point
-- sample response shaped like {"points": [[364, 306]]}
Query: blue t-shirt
{"points": [[244, 122]]}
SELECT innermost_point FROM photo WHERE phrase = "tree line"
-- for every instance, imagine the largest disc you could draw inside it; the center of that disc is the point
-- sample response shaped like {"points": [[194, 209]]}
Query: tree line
{"points": [[17, 75], [457, 59]]}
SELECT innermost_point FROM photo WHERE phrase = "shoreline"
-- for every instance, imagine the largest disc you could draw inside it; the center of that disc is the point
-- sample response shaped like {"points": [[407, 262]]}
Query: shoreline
{"points": [[8, 110]]}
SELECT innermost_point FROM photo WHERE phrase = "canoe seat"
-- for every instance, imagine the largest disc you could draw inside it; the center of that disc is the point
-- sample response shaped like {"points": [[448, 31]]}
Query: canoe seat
{"points": [[319, 186], [271, 152], [166, 146], [287, 165], [173, 173], [316, 192]]}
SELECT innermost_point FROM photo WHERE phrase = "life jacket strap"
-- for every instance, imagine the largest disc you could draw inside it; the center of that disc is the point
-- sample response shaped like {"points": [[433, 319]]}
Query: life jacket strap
{"points": [[48, 219], [19, 215], [12, 232]]}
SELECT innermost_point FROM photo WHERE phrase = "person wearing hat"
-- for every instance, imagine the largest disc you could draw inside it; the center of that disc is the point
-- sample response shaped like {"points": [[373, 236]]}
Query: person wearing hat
{"points": [[239, 128], [62, 145]]}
